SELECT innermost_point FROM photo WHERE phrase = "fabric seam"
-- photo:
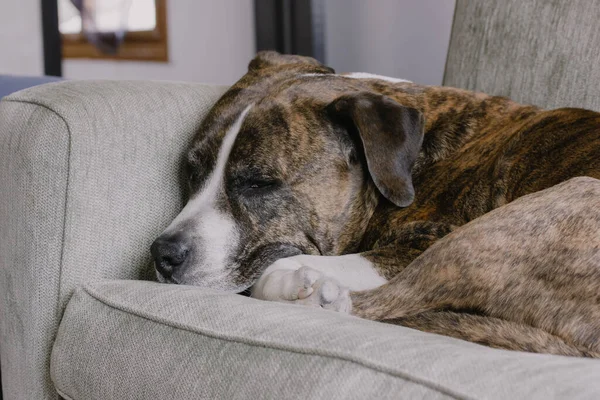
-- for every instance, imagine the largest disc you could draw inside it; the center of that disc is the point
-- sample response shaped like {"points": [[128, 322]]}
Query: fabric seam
{"points": [[63, 395], [255, 343]]}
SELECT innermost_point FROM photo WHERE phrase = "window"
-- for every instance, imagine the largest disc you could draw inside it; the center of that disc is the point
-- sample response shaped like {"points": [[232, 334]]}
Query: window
{"points": [[145, 27]]}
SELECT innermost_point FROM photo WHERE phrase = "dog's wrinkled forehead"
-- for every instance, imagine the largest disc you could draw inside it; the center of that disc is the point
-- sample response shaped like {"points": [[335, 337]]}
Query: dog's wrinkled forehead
{"points": [[288, 96], [273, 141]]}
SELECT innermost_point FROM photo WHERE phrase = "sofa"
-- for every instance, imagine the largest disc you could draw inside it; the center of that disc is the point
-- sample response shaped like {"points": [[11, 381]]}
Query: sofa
{"points": [[90, 174]]}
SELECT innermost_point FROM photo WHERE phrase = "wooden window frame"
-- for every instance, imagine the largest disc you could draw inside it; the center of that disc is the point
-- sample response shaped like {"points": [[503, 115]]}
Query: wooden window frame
{"points": [[137, 46]]}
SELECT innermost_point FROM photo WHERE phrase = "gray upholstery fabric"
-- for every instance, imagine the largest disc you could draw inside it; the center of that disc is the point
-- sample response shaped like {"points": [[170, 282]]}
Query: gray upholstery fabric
{"points": [[542, 52], [88, 176], [144, 340]]}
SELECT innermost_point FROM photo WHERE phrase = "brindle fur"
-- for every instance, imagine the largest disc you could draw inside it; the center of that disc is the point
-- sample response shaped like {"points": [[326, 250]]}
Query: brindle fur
{"points": [[542, 295], [479, 152]]}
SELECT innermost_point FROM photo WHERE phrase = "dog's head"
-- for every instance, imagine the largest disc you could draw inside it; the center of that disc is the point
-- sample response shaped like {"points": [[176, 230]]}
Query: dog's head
{"points": [[293, 159]]}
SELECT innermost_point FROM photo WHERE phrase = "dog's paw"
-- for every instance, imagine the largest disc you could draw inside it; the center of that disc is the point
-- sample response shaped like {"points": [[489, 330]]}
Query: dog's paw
{"points": [[321, 291], [287, 280]]}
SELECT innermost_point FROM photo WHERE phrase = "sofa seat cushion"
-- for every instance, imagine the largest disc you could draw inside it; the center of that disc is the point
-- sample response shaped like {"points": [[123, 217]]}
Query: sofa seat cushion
{"points": [[144, 340]]}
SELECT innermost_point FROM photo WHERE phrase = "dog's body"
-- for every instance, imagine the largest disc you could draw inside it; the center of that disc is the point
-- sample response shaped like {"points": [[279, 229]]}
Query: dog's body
{"points": [[525, 276], [295, 163]]}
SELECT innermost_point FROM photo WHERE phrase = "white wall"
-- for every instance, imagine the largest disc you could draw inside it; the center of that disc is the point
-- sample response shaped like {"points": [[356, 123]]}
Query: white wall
{"points": [[213, 40], [21, 49], [406, 39], [210, 41]]}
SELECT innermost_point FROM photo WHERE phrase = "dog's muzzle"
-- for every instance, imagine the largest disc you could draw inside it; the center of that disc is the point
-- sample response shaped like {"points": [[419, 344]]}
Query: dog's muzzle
{"points": [[170, 254]]}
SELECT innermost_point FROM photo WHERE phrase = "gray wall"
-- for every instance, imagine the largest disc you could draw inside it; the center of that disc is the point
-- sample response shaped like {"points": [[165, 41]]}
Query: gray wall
{"points": [[21, 51], [209, 41], [405, 39]]}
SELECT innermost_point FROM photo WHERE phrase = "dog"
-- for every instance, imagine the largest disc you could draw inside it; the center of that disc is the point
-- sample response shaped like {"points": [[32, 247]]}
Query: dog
{"points": [[317, 188], [525, 276]]}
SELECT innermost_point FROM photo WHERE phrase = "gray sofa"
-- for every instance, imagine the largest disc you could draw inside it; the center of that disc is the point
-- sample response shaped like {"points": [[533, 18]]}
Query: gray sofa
{"points": [[89, 175]]}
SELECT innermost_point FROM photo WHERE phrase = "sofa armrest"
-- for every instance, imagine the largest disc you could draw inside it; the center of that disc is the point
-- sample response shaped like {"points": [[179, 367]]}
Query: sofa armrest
{"points": [[89, 175]]}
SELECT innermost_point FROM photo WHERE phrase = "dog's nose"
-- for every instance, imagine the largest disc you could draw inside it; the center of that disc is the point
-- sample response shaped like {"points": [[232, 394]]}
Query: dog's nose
{"points": [[169, 252]]}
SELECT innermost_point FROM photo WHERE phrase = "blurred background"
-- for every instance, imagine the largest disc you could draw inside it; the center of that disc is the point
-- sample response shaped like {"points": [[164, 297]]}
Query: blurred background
{"points": [[212, 41]]}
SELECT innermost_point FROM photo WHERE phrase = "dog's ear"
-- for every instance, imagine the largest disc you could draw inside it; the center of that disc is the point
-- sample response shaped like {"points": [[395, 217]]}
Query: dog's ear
{"points": [[391, 136], [269, 59]]}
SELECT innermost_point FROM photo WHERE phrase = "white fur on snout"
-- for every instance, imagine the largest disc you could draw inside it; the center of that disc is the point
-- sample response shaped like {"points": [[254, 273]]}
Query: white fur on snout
{"points": [[214, 233], [219, 235]]}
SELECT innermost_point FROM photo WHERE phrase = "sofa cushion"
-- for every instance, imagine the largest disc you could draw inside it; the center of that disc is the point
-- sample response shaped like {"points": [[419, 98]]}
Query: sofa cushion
{"points": [[144, 340]]}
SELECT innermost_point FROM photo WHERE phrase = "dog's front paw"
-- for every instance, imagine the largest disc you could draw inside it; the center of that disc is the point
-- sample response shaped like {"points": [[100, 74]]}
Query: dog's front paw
{"points": [[288, 280], [317, 290]]}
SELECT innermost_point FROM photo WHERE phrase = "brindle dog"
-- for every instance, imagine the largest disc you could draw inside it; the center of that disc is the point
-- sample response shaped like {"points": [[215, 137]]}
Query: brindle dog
{"points": [[306, 179], [525, 276]]}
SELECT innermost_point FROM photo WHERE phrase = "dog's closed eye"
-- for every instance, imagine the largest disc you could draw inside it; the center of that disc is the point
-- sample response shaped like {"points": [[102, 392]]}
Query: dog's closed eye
{"points": [[253, 185], [257, 186]]}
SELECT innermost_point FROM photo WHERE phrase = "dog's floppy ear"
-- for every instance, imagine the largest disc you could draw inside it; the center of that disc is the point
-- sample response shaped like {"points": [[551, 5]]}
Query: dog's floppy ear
{"points": [[268, 59], [391, 137]]}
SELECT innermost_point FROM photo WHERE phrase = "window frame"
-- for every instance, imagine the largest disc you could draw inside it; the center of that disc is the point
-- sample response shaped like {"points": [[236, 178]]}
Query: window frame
{"points": [[137, 46]]}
